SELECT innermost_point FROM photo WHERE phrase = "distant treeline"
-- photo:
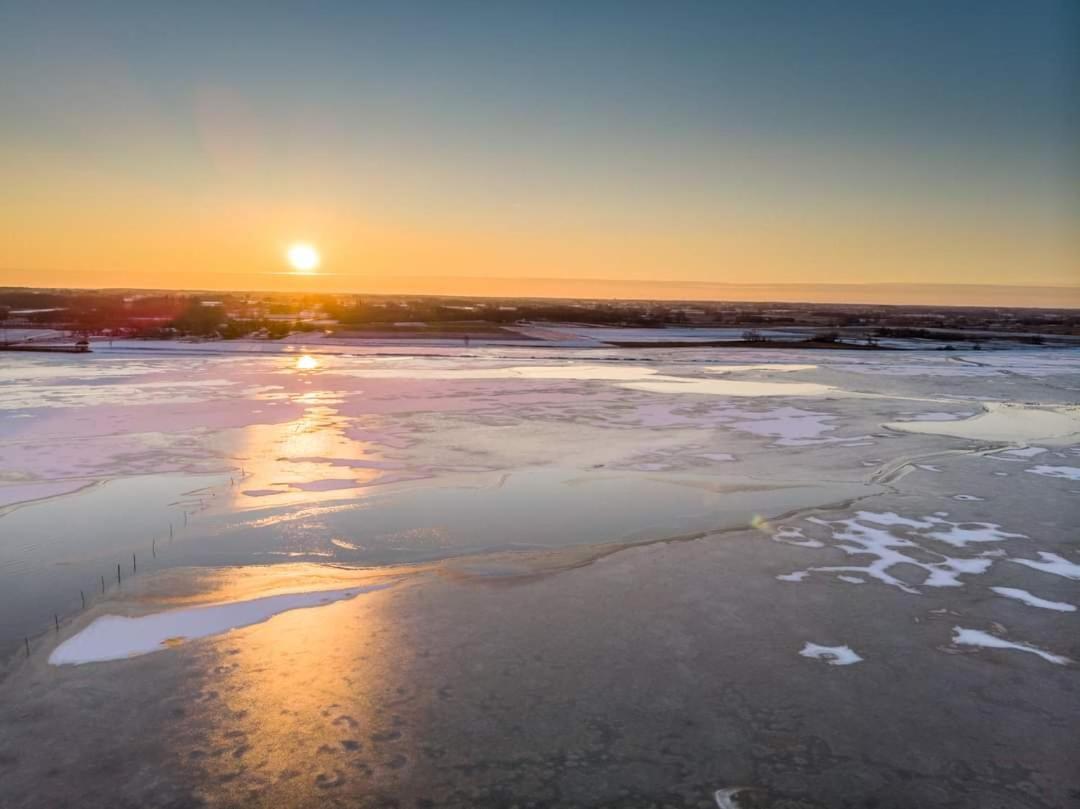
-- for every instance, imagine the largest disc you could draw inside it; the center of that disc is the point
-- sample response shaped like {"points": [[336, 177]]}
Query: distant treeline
{"points": [[364, 312], [229, 315], [946, 336]]}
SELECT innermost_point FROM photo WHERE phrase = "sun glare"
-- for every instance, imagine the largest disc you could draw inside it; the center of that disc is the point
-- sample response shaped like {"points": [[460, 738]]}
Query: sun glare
{"points": [[306, 363], [303, 257]]}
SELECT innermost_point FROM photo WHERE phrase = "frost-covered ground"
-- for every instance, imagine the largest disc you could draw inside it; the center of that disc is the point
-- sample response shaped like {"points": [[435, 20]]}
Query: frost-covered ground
{"points": [[744, 540]]}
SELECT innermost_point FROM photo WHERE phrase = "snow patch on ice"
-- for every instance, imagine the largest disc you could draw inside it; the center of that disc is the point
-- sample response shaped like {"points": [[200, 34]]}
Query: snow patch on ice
{"points": [[795, 536], [976, 637], [868, 534], [799, 576], [1033, 600], [116, 637], [1052, 563], [1065, 472], [833, 655]]}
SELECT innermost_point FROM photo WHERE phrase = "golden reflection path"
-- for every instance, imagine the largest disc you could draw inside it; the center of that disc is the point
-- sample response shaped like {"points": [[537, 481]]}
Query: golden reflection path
{"points": [[302, 704]]}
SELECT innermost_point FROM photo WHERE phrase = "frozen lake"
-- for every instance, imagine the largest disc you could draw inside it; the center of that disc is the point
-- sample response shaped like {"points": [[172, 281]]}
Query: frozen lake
{"points": [[798, 515], [221, 459]]}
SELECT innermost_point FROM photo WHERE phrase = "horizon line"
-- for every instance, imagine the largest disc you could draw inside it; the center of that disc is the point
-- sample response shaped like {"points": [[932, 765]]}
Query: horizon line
{"points": [[822, 287]]}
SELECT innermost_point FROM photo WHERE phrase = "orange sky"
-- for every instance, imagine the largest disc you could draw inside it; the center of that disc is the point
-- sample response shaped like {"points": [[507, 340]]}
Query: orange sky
{"points": [[667, 157]]}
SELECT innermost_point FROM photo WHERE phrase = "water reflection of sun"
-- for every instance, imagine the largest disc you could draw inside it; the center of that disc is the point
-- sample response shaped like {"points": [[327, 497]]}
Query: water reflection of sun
{"points": [[296, 698], [306, 363]]}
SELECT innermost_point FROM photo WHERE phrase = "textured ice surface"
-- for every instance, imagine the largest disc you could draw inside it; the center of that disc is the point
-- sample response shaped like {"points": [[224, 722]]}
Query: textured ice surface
{"points": [[976, 637], [1033, 600], [115, 637], [833, 655]]}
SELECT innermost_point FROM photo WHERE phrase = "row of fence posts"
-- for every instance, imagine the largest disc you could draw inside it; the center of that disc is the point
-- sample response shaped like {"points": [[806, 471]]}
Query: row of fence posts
{"points": [[119, 580], [134, 566]]}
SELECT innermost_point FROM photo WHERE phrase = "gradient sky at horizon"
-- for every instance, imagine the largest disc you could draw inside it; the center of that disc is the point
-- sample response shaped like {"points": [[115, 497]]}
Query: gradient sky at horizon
{"points": [[185, 145]]}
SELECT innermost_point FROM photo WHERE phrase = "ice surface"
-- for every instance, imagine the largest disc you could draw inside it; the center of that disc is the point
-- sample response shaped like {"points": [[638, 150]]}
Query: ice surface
{"points": [[26, 492], [375, 457], [936, 416], [789, 425], [115, 637], [724, 387], [833, 655], [976, 637], [1024, 452], [778, 367]]}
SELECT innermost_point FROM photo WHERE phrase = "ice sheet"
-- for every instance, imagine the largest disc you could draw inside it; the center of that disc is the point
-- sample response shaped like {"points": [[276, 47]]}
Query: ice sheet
{"points": [[724, 387]]}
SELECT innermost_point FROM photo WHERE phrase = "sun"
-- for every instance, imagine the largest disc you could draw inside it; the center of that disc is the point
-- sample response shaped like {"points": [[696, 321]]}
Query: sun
{"points": [[303, 258]]}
